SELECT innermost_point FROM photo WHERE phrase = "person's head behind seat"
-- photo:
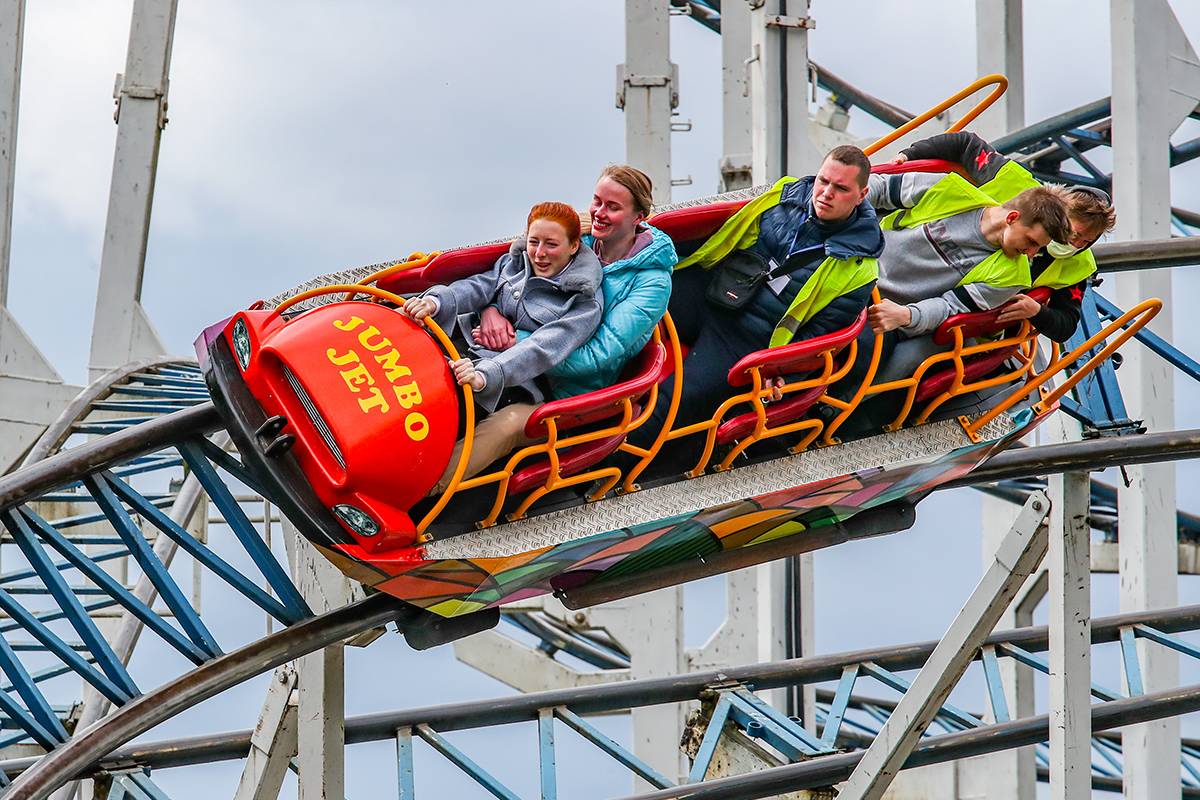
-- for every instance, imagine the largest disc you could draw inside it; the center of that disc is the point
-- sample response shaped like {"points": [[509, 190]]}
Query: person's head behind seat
{"points": [[1035, 218], [551, 237], [841, 183], [1091, 214]]}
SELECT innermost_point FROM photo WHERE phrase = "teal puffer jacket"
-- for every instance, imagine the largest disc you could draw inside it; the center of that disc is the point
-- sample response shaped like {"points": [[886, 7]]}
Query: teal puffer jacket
{"points": [[636, 292]]}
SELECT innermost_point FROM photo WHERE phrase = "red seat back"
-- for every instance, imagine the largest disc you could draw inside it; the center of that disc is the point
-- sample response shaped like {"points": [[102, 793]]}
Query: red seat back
{"points": [[981, 323], [645, 370], [790, 359]]}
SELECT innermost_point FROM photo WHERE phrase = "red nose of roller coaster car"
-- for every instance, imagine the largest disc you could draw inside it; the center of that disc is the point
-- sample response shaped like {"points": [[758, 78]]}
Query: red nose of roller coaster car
{"points": [[370, 401]]}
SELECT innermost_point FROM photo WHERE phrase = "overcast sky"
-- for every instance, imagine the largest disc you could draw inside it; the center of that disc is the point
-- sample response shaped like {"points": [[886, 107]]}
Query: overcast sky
{"points": [[306, 137]]}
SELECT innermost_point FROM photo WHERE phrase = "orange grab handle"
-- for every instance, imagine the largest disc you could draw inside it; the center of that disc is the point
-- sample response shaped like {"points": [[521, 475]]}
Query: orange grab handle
{"points": [[1135, 318], [1000, 84]]}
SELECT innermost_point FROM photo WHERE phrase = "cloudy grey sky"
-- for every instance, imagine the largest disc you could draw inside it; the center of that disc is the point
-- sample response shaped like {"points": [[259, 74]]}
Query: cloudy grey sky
{"points": [[306, 137]]}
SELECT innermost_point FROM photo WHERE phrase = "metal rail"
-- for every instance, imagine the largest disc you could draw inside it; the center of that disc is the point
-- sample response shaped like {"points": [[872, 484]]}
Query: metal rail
{"points": [[143, 713], [92, 746], [1183, 251], [97, 391], [1093, 454], [57, 470], [828, 770]]}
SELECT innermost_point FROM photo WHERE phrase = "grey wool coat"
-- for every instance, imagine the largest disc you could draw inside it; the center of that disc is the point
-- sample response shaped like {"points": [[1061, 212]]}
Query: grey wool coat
{"points": [[560, 314]]}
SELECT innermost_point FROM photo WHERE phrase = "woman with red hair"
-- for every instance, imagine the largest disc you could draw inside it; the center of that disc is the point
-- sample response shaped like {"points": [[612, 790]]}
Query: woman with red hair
{"points": [[546, 285]]}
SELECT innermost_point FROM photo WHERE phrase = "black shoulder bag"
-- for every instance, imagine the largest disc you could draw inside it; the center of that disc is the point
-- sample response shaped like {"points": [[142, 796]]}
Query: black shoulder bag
{"points": [[738, 278]]}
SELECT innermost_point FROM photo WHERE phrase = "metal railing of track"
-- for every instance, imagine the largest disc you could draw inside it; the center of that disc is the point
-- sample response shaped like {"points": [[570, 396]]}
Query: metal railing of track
{"points": [[109, 518], [729, 695]]}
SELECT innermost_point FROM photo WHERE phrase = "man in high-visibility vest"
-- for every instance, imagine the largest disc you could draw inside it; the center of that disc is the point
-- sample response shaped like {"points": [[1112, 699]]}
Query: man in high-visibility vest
{"points": [[1065, 267], [797, 262], [952, 248]]}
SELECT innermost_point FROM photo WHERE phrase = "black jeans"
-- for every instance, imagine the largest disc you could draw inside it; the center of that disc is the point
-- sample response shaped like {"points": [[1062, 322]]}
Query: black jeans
{"points": [[718, 339]]}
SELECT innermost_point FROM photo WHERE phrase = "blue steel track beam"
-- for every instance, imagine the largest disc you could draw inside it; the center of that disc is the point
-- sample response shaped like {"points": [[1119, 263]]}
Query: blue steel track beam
{"points": [[142, 713], [76, 615], [244, 530], [119, 593], [829, 770], [621, 754], [145, 712], [1047, 128], [466, 764], [118, 693], [48, 722], [101, 487], [65, 467], [205, 556]]}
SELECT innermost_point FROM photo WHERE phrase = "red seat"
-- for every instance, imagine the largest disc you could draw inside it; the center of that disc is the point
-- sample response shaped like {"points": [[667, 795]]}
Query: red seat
{"points": [[980, 323], [446, 267], [973, 325], [809, 356], [649, 367], [572, 461], [794, 407], [974, 368], [790, 359], [698, 222]]}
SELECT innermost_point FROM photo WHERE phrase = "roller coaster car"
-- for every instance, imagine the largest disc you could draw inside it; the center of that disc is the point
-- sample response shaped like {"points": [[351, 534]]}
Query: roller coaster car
{"points": [[346, 415]]}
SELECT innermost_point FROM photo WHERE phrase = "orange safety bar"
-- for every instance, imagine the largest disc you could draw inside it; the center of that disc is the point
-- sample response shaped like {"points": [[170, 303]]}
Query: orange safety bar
{"points": [[759, 393], [1000, 84], [1024, 340], [647, 455], [1128, 324], [552, 449], [414, 261]]}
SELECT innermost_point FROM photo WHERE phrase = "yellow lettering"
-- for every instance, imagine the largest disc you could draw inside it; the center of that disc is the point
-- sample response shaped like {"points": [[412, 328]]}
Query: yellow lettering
{"points": [[380, 342], [374, 400], [349, 325], [416, 426], [409, 395], [392, 368], [351, 357], [356, 377]]}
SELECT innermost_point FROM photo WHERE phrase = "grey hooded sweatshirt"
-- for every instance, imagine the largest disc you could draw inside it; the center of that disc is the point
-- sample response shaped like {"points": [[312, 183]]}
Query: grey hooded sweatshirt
{"points": [[560, 314]]}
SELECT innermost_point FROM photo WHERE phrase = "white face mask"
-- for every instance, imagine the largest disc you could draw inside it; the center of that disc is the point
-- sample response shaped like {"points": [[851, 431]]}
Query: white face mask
{"points": [[1059, 250]]}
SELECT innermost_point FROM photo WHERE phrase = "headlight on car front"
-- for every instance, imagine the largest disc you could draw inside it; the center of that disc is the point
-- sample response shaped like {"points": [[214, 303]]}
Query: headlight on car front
{"points": [[241, 343], [358, 520]]}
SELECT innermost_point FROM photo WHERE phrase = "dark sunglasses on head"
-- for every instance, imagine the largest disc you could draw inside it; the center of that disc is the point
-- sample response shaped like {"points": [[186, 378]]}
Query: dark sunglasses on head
{"points": [[1099, 194]]}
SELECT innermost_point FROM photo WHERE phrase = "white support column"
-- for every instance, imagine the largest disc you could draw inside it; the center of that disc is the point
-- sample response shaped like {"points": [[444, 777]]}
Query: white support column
{"points": [[803, 600], [753, 629], [1016, 559], [647, 90], [321, 677], [1141, 100], [321, 736], [121, 331], [1000, 47], [1069, 554], [273, 742], [33, 391], [12, 36], [736, 141], [1011, 774], [779, 90], [651, 628]]}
